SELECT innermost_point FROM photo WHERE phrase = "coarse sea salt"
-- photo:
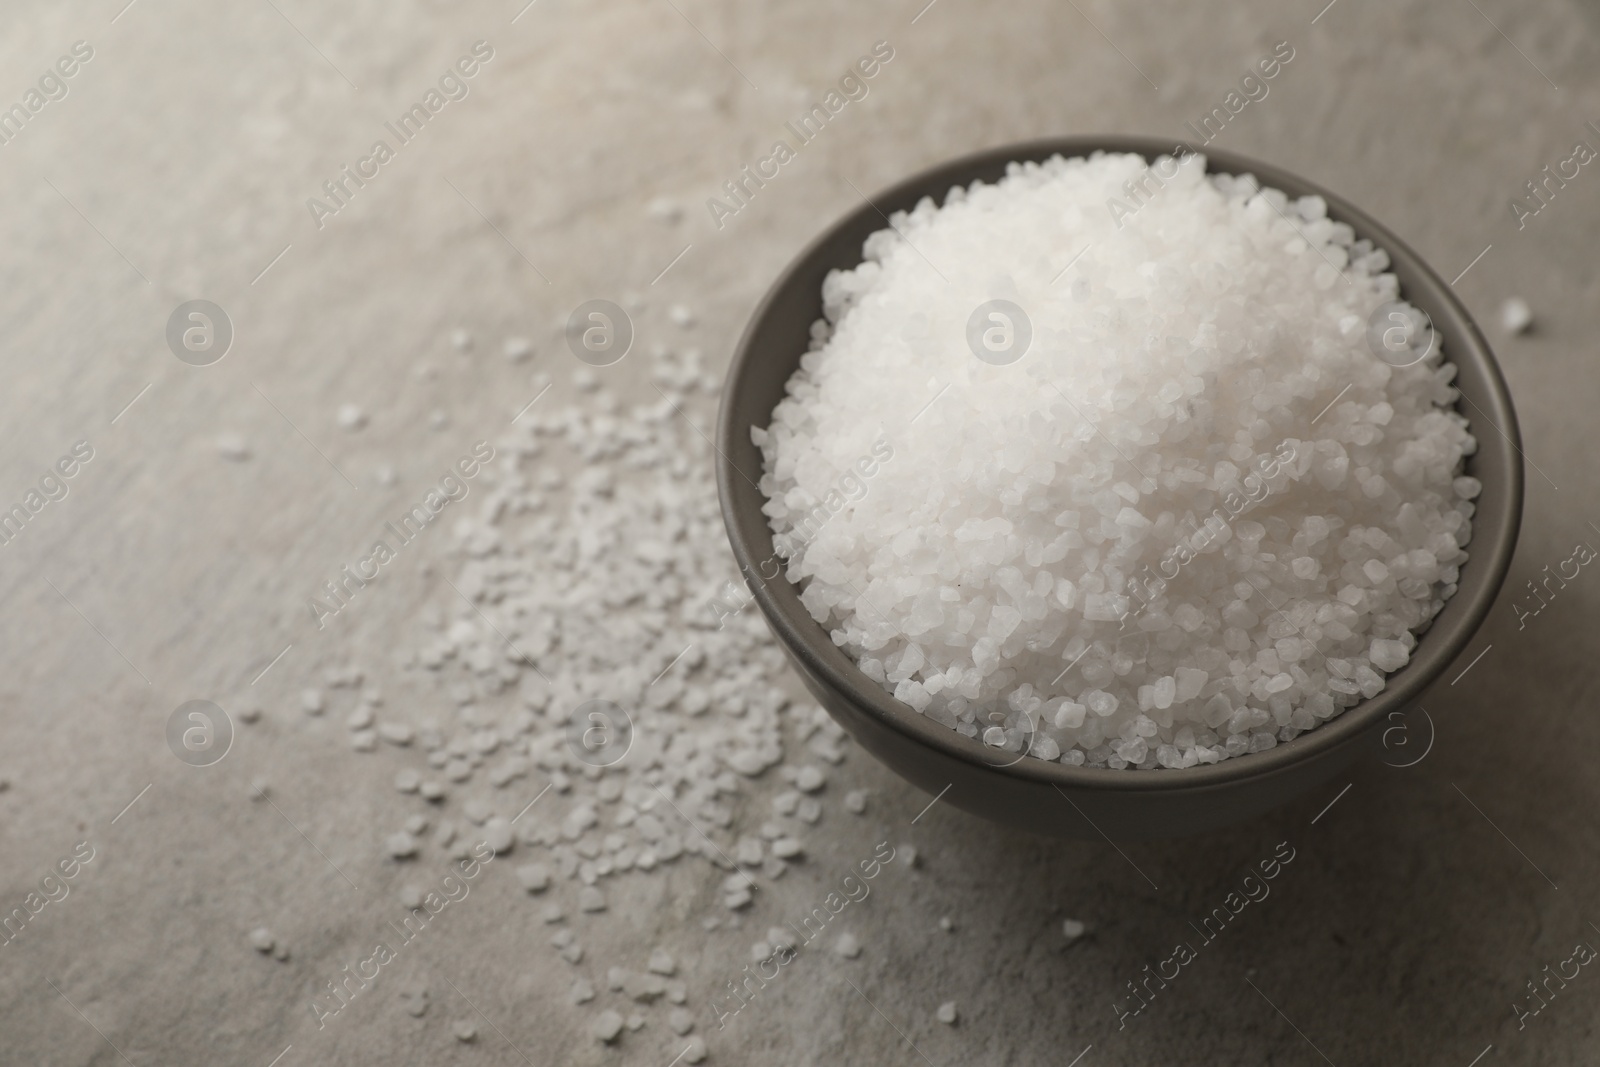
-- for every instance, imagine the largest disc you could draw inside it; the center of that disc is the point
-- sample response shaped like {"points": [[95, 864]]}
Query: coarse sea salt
{"points": [[608, 584], [1196, 516]]}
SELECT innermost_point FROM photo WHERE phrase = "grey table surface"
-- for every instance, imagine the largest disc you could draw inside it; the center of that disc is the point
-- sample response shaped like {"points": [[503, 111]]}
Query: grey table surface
{"points": [[178, 165]]}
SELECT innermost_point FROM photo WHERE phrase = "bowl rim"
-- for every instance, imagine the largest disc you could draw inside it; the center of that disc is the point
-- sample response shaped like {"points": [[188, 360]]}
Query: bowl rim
{"points": [[804, 638]]}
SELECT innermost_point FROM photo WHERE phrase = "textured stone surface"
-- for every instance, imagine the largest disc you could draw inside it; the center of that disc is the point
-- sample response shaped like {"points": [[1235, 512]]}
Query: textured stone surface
{"points": [[178, 167]]}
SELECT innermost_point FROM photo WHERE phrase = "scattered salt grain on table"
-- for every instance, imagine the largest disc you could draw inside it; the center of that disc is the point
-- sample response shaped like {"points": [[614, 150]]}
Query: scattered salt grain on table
{"points": [[787, 848], [311, 701], [712, 734], [1072, 929], [662, 209], [261, 939], [1168, 497], [497, 835], [1515, 315], [414, 998], [465, 1030], [232, 446], [847, 946], [401, 845], [396, 733], [607, 1025], [351, 417], [517, 349], [535, 877], [947, 1013]]}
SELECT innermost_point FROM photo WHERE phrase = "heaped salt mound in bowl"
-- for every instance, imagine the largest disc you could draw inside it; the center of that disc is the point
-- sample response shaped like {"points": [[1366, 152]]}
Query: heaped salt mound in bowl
{"points": [[1197, 516]]}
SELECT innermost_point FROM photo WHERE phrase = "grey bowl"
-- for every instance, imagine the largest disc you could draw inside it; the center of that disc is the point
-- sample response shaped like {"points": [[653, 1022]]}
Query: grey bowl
{"points": [[1052, 798]]}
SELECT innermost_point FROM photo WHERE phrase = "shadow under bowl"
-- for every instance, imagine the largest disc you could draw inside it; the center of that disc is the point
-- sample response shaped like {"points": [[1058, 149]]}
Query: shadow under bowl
{"points": [[1050, 797]]}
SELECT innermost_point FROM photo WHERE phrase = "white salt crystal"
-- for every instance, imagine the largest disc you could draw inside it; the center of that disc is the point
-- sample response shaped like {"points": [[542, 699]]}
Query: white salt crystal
{"points": [[497, 835], [662, 209], [607, 1025], [232, 446], [1515, 315], [535, 877], [787, 848], [396, 733], [947, 1013], [1388, 655], [401, 845], [351, 417]]}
